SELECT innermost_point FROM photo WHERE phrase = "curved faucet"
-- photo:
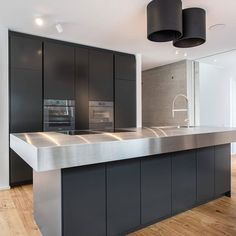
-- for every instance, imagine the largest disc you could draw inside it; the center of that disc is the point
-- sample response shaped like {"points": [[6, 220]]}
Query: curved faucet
{"points": [[182, 109]]}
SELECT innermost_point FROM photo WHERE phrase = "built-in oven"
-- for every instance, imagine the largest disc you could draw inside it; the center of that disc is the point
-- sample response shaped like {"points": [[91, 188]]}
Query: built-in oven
{"points": [[59, 115], [101, 116]]}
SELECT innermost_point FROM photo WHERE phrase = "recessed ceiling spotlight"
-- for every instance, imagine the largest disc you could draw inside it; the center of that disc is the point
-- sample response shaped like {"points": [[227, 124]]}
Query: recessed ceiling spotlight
{"points": [[59, 28], [215, 60], [39, 21], [217, 27], [39, 52], [177, 52], [185, 54]]}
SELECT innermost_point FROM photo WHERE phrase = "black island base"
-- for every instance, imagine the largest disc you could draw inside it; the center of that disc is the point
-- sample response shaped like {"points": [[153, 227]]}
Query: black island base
{"points": [[120, 197]]}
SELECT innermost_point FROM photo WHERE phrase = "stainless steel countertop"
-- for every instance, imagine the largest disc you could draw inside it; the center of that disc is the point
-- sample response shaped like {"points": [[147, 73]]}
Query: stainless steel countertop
{"points": [[45, 151]]}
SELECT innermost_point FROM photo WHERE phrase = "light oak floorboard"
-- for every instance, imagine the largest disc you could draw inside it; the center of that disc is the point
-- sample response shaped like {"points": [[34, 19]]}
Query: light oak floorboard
{"points": [[216, 218], [16, 212]]}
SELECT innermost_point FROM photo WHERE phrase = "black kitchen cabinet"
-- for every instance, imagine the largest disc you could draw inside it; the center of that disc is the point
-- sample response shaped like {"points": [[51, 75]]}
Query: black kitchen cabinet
{"points": [[81, 89], [123, 196], [183, 181], [205, 174], [125, 90], [25, 53], [25, 97], [59, 71], [21, 172], [125, 66], [155, 188], [100, 75], [125, 103], [25, 100], [222, 169], [83, 204]]}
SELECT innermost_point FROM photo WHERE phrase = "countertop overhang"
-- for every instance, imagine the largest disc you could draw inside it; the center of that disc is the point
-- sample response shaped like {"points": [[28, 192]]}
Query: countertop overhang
{"points": [[45, 151]]}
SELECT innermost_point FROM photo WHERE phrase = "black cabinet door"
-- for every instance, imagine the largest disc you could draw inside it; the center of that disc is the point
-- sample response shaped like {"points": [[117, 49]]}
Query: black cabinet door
{"points": [[125, 66], [81, 89], [59, 71], [25, 88], [25, 100], [100, 75], [20, 171], [125, 103], [25, 116], [155, 188], [222, 169], [123, 196], [205, 174], [183, 180], [83, 201], [25, 53]]}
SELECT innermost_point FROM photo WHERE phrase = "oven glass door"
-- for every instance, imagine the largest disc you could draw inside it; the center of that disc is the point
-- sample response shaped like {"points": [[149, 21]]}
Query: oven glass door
{"points": [[59, 118], [101, 116]]}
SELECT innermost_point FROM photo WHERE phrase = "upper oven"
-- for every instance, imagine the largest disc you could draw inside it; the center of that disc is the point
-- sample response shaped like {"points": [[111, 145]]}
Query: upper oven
{"points": [[101, 115], [59, 115]]}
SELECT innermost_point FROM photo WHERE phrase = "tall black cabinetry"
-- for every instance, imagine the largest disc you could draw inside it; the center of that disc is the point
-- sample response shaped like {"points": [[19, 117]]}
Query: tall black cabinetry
{"points": [[82, 88], [125, 90], [25, 97], [100, 75], [59, 71], [42, 68]]}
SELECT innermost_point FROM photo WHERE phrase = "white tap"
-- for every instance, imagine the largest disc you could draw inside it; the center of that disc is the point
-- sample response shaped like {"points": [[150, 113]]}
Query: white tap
{"points": [[181, 109]]}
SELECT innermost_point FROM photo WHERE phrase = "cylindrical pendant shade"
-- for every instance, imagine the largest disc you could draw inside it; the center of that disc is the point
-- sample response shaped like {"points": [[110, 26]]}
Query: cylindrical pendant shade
{"points": [[164, 20], [194, 28]]}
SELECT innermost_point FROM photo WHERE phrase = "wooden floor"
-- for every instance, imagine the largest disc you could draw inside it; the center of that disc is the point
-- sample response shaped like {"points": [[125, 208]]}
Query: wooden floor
{"points": [[215, 218]]}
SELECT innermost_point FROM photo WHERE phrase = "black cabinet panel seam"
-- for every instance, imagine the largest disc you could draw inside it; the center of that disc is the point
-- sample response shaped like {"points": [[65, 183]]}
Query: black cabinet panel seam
{"points": [[214, 170], [42, 82], [114, 91], [196, 163], [171, 166], [106, 195], [140, 171]]}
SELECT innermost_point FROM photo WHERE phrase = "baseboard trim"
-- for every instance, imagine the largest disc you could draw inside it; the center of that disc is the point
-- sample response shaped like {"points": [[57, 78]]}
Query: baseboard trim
{"points": [[5, 188]]}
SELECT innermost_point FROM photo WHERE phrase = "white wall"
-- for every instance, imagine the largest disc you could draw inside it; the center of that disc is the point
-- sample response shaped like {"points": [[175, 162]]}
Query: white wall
{"points": [[4, 124], [233, 106], [214, 96], [215, 92]]}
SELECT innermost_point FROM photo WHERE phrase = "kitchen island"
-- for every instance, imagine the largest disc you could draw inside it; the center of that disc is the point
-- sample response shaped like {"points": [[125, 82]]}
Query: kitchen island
{"points": [[116, 183]]}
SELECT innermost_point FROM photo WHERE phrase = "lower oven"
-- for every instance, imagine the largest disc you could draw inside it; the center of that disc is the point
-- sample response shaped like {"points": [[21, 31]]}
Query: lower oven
{"points": [[59, 115], [101, 116]]}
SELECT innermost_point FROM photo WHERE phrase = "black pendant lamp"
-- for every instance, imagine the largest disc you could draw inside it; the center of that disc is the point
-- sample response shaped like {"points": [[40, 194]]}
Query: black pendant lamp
{"points": [[194, 28], [164, 20]]}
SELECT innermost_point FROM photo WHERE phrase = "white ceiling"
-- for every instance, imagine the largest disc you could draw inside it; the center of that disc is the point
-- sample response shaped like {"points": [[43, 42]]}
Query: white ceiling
{"points": [[117, 25]]}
